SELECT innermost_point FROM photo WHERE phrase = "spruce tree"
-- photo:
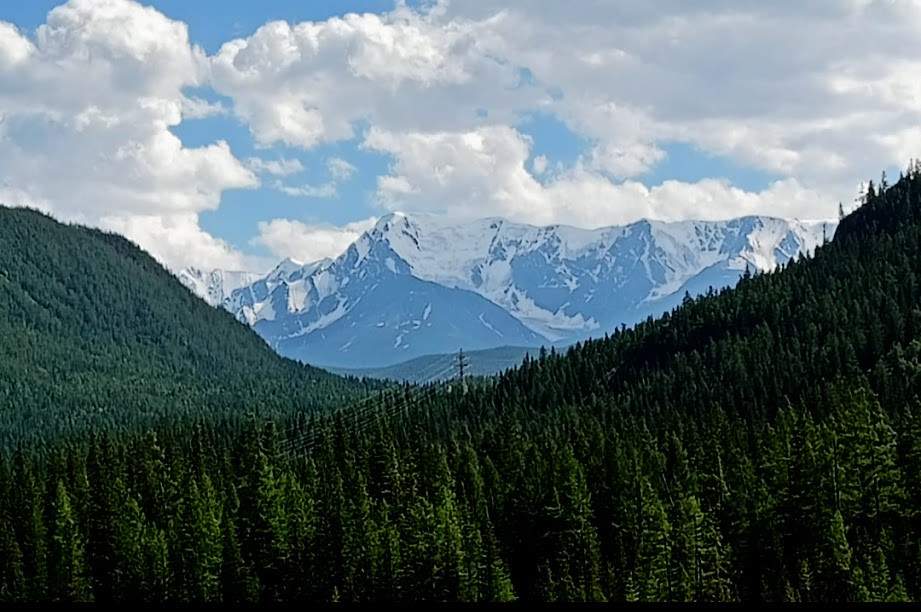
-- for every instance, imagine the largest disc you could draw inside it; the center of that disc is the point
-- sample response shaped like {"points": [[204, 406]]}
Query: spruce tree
{"points": [[69, 573]]}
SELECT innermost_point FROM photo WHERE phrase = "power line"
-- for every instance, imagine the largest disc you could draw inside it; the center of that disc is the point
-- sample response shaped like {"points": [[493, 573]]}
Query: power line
{"points": [[353, 421], [367, 411], [425, 375], [361, 414]]}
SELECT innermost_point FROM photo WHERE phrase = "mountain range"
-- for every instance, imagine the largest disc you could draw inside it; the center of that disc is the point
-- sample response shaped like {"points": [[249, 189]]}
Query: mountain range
{"points": [[415, 285]]}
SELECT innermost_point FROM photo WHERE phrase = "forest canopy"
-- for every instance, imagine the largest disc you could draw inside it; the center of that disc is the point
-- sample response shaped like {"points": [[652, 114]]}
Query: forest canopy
{"points": [[761, 443]]}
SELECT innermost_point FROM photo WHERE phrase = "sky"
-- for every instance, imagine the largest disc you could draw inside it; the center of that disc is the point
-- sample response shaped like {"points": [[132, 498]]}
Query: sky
{"points": [[231, 134]]}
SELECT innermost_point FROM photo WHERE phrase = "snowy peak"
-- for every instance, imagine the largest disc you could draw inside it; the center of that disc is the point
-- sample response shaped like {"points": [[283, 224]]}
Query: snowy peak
{"points": [[286, 268], [510, 283], [544, 276], [398, 232], [679, 251], [215, 286]]}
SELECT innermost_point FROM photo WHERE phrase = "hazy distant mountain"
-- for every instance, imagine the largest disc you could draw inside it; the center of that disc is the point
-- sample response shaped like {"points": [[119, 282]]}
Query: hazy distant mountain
{"points": [[441, 368]]}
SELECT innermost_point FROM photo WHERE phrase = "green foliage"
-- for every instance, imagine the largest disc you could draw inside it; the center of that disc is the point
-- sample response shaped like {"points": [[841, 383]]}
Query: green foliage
{"points": [[68, 572], [756, 444], [96, 334]]}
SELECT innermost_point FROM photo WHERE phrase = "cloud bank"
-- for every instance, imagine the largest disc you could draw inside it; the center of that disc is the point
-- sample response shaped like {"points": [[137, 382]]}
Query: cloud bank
{"points": [[820, 93]]}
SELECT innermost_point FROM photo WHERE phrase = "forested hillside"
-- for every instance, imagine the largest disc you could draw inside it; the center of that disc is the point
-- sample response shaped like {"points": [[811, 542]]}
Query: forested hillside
{"points": [[760, 443], [94, 332]]}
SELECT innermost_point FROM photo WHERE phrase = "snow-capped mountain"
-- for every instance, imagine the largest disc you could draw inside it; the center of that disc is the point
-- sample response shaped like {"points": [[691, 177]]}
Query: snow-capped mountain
{"points": [[217, 285], [367, 308], [415, 285]]}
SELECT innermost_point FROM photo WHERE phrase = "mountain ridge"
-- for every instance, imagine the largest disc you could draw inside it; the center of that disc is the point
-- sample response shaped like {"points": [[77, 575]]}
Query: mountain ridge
{"points": [[89, 320], [556, 283]]}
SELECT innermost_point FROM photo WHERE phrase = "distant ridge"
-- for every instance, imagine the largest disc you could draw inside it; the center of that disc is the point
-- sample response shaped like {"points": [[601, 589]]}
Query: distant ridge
{"points": [[414, 285], [439, 368]]}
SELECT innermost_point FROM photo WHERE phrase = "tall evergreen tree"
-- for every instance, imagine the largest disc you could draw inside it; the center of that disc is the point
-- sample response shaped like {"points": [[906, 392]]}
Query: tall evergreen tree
{"points": [[69, 573]]}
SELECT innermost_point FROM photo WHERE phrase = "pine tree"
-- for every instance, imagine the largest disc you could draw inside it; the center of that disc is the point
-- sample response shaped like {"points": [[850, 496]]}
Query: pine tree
{"points": [[579, 547], [205, 544], [238, 580], [836, 563], [69, 573], [31, 532], [714, 582], [155, 575], [302, 524], [686, 518], [269, 531], [391, 568], [13, 585], [105, 502], [651, 575], [473, 559], [449, 549], [418, 548], [360, 547]]}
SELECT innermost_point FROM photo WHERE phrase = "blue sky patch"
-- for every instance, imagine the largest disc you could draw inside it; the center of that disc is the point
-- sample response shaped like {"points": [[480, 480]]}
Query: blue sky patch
{"points": [[315, 192], [237, 219], [687, 163], [552, 139]]}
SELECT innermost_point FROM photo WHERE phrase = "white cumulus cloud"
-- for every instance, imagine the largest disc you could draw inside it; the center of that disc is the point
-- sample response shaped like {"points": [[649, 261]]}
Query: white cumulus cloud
{"points": [[86, 108], [483, 173], [340, 169], [306, 242], [275, 167], [308, 83], [326, 190], [819, 94]]}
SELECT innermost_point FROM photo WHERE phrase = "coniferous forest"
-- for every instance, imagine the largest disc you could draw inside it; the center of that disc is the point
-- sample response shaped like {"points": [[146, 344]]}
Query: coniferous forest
{"points": [[761, 443]]}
